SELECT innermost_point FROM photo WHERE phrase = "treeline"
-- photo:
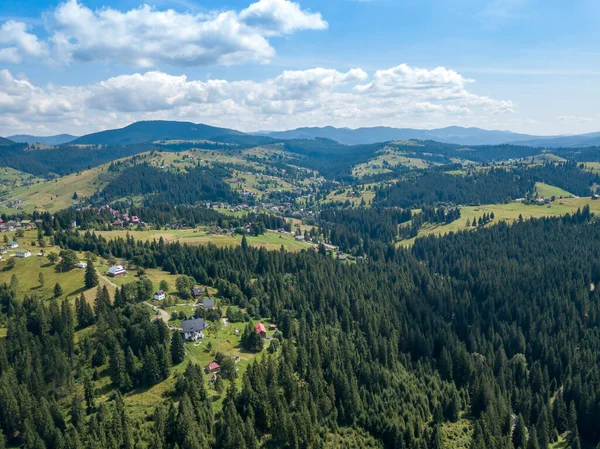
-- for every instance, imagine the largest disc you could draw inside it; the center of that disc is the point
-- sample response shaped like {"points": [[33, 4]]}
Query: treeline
{"points": [[353, 230], [496, 185], [165, 186]]}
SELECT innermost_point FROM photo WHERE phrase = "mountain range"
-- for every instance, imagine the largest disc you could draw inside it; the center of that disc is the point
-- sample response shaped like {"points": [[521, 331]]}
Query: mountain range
{"points": [[150, 131], [43, 140], [452, 134]]}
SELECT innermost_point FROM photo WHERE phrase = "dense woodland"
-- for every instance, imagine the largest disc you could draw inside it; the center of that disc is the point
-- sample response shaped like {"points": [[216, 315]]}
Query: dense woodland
{"points": [[167, 187], [501, 325]]}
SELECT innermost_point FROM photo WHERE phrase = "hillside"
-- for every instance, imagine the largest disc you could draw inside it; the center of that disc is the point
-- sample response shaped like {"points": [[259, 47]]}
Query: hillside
{"points": [[59, 139], [5, 142], [150, 131]]}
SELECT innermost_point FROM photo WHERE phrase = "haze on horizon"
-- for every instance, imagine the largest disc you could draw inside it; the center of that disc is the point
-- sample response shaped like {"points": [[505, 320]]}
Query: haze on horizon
{"points": [[82, 66]]}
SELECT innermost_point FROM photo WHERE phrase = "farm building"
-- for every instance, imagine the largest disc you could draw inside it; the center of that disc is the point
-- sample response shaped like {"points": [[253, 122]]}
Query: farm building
{"points": [[82, 265], [116, 270], [23, 253], [212, 367], [260, 329], [12, 245], [208, 304]]}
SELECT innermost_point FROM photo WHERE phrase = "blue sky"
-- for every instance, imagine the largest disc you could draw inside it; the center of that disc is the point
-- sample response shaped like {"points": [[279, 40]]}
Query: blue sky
{"points": [[79, 66]]}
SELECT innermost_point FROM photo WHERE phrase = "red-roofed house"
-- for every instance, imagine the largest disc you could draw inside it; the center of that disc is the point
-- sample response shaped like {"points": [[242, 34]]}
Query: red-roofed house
{"points": [[212, 367], [260, 329]]}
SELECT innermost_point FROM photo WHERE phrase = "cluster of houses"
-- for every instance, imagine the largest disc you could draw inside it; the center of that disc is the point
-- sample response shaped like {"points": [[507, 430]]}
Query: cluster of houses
{"points": [[121, 220], [14, 225]]}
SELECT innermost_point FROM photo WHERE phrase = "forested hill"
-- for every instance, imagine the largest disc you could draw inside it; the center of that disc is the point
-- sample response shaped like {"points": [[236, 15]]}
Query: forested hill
{"points": [[392, 347], [150, 131], [167, 187], [5, 142], [496, 185]]}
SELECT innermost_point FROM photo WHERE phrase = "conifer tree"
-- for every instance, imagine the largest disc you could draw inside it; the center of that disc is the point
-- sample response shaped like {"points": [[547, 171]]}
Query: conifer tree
{"points": [[177, 348], [91, 276]]}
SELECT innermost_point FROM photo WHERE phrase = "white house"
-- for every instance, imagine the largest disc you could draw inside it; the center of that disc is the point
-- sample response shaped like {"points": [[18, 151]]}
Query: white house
{"points": [[23, 253], [193, 328], [116, 270], [82, 265], [12, 245], [299, 238], [159, 295]]}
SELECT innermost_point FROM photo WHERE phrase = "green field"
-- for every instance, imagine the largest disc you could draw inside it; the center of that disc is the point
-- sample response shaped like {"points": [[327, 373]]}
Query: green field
{"points": [[386, 160], [270, 240], [507, 212], [347, 194], [548, 191]]}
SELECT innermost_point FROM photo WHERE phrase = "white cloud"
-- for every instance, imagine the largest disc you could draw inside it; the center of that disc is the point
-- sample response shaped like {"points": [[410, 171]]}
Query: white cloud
{"points": [[149, 37], [276, 17], [18, 43], [396, 97]]}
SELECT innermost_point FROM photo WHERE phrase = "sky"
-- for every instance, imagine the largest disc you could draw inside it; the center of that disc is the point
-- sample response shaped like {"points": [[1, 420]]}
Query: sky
{"points": [[80, 66]]}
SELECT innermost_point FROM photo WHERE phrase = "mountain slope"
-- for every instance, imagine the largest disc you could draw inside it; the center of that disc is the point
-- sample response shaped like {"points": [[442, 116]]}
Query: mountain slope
{"points": [[150, 131], [361, 136], [5, 142], [44, 140]]}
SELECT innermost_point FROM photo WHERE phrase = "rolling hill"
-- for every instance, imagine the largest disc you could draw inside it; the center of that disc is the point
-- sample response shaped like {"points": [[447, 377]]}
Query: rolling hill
{"points": [[43, 140], [150, 131]]}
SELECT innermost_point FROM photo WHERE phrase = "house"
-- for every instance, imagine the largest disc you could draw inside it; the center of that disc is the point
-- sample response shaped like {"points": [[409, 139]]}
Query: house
{"points": [[135, 219], [260, 329], [197, 292], [208, 304], [81, 265], [12, 245], [213, 378], [272, 326], [23, 253], [118, 222], [212, 367], [299, 238], [193, 328], [159, 295], [116, 270]]}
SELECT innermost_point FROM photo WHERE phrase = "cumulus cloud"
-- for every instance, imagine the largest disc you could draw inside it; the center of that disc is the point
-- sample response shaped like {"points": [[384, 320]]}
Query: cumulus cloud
{"points": [[148, 37], [18, 43], [276, 17], [398, 96]]}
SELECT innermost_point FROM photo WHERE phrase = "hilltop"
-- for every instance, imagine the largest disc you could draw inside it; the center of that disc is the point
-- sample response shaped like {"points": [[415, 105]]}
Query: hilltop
{"points": [[155, 130]]}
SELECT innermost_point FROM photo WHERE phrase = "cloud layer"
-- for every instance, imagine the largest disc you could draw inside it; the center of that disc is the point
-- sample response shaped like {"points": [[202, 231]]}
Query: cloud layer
{"points": [[147, 37], [314, 97]]}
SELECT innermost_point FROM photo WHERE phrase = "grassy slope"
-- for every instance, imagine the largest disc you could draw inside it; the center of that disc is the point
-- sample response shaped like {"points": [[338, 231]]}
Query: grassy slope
{"points": [[548, 191], [270, 240], [508, 212]]}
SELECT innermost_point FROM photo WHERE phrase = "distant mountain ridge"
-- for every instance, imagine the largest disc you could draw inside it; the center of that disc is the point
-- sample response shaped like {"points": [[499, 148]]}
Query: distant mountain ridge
{"points": [[150, 131], [43, 140], [452, 134]]}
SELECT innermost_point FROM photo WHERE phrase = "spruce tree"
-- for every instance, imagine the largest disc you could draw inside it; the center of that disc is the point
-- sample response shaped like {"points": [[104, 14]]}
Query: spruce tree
{"points": [[91, 276], [177, 348]]}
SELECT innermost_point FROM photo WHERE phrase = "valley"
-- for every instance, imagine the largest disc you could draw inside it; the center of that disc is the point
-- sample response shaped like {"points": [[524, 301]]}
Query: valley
{"points": [[305, 247]]}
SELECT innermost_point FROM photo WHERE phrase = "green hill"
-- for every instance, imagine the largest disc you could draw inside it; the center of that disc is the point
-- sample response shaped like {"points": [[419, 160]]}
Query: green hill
{"points": [[150, 131]]}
